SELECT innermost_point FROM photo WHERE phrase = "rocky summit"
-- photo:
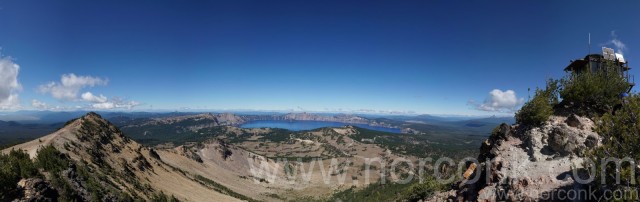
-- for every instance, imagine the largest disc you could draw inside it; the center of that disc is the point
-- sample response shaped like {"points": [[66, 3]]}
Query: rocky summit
{"points": [[528, 163]]}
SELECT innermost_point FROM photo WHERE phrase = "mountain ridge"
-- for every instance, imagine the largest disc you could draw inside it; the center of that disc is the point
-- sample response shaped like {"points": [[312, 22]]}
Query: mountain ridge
{"points": [[94, 143]]}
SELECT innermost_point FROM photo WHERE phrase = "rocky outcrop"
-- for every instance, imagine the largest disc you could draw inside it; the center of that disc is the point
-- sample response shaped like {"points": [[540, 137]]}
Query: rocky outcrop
{"points": [[190, 152], [36, 189], [224, 149], [524, 162], [562, 137]]}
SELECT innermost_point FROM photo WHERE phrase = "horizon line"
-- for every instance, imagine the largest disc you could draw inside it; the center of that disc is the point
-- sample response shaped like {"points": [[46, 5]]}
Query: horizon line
{"points": [[500, 115]]}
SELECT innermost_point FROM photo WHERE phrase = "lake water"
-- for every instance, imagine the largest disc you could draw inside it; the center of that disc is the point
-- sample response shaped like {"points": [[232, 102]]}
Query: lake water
{"points": [[309, 125]]}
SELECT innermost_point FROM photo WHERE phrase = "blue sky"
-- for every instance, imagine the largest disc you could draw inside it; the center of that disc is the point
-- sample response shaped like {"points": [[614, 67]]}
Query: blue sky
{"points": [[436, 57]]}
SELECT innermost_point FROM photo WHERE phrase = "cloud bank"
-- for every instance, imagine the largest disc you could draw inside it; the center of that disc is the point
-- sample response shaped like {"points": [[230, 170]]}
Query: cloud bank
{"points": [[70, 85], [9, 85]]}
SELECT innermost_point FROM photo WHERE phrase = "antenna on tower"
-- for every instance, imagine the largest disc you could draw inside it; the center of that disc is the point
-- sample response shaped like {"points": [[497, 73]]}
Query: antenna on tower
{"points": [[589, 43]]}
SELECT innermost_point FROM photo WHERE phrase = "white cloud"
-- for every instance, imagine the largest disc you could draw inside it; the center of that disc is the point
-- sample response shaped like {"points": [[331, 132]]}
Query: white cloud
{"points": [[115, 103], [499, 101], [38, 104], [9, 85], [104, 105], [88, 96], [101, 102], [11, 103], [620, 46], [70, 85]]}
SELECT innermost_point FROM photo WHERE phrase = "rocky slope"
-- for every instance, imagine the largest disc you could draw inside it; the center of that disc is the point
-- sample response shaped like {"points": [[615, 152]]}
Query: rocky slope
{"points": [[528, 163], [106, 165], [245, 167]]}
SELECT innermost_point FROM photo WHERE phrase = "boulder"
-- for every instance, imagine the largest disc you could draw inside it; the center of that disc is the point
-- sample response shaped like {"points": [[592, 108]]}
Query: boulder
{"points": [[573, 121], [591, 141], [565, 142]]}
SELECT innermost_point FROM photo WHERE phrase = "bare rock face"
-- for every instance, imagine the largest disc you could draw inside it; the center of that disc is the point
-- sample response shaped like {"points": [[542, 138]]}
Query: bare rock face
{"points": [[36, 189], [561, 136], [526, 162], [566, 142]]}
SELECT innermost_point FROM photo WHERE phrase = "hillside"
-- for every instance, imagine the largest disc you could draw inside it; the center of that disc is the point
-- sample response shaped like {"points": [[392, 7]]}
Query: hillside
{"points": [[118, 166], [238, 164]]}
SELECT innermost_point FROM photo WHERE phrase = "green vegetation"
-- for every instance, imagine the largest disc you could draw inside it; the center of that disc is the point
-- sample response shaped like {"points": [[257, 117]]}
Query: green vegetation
{"points": [[537, 110], [54, 162], [424, 190], [13, 167], [594, 93], [620, 134], [50, 159], [177, 133], [419, 145], [588, 93], [278, 135], [66, 176]]}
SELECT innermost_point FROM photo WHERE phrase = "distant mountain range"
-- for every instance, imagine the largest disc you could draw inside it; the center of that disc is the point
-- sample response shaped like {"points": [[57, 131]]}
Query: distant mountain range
{"points": [[31, 116]]}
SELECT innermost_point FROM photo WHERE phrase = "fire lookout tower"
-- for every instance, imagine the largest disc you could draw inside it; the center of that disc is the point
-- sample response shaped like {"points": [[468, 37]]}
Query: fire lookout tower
{"points": [[593, 63]]}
